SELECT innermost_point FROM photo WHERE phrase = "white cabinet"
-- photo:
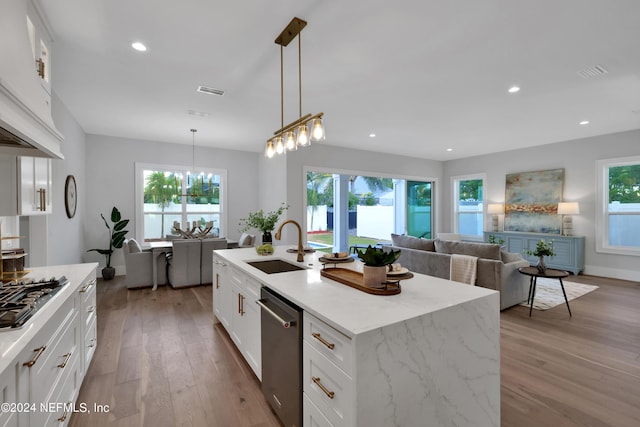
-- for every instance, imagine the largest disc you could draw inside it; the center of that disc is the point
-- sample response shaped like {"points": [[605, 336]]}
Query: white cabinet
{"points": [[35, 179], [8, 389], [27, 185], [40, 41], [88, 320], [221, 292], [327, 371], [234, 304]]}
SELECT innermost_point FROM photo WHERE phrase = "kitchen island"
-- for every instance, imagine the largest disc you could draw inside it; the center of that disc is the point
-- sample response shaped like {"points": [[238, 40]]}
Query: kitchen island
{"points": [[427, 356]]}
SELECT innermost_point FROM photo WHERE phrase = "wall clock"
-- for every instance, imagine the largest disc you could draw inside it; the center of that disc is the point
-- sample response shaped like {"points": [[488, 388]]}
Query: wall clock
{"points": [[70, 196]]}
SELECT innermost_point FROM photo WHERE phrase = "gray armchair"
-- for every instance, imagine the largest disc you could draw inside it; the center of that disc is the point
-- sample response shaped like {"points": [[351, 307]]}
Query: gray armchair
{"points": [[139, 266], [184, 264]]}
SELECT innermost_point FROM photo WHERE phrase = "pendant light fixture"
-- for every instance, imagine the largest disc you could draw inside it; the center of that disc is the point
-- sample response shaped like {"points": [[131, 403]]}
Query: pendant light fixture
{"points": [[302, 131]]}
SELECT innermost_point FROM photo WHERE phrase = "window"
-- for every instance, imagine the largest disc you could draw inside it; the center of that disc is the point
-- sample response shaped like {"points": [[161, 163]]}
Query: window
{"points": [[618, 206], [468, 214], [350, 210], [165, 194]]}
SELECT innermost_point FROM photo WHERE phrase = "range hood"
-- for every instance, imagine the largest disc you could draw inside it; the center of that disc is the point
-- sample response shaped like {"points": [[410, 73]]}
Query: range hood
{"points": [[26, 126]]}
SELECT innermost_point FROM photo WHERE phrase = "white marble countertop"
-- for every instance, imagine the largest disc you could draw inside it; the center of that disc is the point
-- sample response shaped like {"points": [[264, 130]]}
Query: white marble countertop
{"points": [[349, 310], [13, 341]]}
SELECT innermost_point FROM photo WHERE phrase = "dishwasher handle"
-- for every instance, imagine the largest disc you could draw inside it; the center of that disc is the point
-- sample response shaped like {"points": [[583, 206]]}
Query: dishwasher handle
{"points": [[285, 324]]}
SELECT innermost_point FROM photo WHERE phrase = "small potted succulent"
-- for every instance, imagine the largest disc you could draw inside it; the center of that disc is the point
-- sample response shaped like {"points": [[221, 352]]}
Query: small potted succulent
{"points": [[542, 249], [375, 261]]}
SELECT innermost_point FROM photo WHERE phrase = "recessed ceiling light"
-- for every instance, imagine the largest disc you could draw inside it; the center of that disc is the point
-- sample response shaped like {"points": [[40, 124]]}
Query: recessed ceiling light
{"points": [[584, 122], [139, 46], [514, 89], [198, 113], [449, 149], [372, 135]]}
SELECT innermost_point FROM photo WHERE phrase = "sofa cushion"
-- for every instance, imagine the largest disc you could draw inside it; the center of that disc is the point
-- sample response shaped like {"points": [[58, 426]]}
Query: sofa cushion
{"points": [[480, 250], [410, 242], [134, 246]]}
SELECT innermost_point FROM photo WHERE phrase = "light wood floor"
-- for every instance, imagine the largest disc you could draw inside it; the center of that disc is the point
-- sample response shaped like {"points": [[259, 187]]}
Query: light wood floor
{"points": [[161, 361]]}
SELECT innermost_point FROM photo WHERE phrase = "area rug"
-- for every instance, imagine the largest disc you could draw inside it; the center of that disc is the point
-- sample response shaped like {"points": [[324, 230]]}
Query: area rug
{"points": [[549, 292]]}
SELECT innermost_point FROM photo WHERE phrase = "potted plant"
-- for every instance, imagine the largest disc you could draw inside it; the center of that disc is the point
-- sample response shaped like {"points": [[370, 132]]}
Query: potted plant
{"points": [[265, 222], [542, 249], [376, 260], [116, 239]]}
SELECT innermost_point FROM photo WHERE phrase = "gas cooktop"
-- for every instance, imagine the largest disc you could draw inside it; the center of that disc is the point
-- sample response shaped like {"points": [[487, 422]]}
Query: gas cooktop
{"points": [[19, 301]]}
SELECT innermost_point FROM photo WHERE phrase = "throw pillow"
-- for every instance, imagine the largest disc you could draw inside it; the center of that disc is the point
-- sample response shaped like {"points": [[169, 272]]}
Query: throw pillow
{"points": [[134, 246], [410, 242]]}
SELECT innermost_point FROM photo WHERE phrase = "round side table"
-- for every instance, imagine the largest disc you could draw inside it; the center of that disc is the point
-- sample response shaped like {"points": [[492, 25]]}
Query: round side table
{"points": [[549, 273]]}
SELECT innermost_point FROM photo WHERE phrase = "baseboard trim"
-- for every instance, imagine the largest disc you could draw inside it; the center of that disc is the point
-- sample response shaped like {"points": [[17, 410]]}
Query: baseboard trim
{"points": [[614, 273]]}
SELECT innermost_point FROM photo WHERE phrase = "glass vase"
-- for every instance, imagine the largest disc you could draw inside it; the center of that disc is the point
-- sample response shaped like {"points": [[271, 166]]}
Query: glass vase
{"points": [[542, 267]]}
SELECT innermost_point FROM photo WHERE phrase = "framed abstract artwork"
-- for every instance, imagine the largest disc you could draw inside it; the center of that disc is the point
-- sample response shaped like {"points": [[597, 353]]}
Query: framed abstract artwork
{"points": [[531, 201]]}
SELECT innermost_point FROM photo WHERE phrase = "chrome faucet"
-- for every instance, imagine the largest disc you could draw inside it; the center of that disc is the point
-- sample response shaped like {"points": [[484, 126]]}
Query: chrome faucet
{"points": [[300, 250]]}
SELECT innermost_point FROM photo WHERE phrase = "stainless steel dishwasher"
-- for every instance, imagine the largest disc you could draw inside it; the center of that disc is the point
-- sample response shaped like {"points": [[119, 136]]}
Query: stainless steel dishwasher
{"points": [[282, 356]]}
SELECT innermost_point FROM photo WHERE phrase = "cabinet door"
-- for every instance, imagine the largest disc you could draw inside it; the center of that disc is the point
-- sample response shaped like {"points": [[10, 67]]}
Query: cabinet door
{"points": [[34, 195], [252, 341], [222, 298], [8, 395]]}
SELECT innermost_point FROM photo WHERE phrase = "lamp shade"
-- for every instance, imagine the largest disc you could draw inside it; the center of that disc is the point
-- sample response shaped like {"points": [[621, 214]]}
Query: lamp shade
{"points": [[568, 208], [495, 208]]}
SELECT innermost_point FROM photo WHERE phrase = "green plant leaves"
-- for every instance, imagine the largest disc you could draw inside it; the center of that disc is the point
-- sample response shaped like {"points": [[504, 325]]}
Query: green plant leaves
{"points": [[376, 257]]}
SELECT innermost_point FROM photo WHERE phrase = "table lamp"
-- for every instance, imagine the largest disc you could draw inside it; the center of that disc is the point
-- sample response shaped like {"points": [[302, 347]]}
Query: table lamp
{"points": [[495, 209], [566, 209]]}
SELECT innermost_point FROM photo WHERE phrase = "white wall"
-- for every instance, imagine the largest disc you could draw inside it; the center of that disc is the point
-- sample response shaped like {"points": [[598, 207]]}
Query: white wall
{"points": [[65, 238], [110, 177], [578, 158]]}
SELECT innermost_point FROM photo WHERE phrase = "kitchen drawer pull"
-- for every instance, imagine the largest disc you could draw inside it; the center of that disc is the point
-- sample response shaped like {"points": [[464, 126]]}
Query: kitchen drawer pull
{"points": [[217, 280], [91, 309], [329, 345], [242, 298], [284, 323], [36, 356], [64, 415], [329, 394], [86, 287], [93, 343], [66, 360]]}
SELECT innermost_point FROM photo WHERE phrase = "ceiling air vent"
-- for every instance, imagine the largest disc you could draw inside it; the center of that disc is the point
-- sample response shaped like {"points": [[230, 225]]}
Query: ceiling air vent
{"points": [[198, 113], [210, 90], [591, 72]]}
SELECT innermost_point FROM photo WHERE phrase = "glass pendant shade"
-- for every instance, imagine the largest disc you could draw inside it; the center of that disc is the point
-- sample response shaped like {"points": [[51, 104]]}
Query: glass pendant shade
{"points": [[279, 145], [303, 136], [317, 130], [270, 150], [289, 140]]}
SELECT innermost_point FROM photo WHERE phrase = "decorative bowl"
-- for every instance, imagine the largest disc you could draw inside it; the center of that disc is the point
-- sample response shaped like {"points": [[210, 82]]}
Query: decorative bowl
{"points": [[266, 249]]}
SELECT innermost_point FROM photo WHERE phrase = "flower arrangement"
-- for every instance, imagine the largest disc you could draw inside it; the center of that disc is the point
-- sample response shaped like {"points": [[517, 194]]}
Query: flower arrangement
{"points": [[542, 249], [262, 221]]}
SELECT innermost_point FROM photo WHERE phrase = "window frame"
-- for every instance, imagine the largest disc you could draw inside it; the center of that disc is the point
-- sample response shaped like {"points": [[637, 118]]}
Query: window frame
{"points": [[455, 212], [139, 193], [602, 206]]}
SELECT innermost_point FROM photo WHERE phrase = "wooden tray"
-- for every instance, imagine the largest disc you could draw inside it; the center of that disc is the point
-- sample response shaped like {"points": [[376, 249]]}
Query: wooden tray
{"points": [[354, 279]]}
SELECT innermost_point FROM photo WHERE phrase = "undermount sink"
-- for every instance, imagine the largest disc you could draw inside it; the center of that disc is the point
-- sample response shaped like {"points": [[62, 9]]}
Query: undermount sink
{"points": [[271, 266]]}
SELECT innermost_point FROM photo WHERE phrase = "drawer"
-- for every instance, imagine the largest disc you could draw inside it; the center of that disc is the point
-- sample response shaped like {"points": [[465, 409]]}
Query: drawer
{"points": [[88, 292], [327, 386], [62, 402], [90, 343], [336, 346], [311, 415], [252, 289], [54, 361]]}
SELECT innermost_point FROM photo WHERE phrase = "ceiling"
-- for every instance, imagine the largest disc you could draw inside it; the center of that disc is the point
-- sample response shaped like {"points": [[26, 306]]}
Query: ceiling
{"points": [[423, 75]]}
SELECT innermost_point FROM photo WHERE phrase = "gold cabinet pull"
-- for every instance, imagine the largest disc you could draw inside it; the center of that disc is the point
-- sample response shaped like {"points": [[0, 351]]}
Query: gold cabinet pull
{"points": [[91, 309], [66, 360], [329, 394], [40, 67], [241, 305], [64, 415], [329, 345], [36, 356], [217, 280], [86, 287], [93, 342], [239, 302]]}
